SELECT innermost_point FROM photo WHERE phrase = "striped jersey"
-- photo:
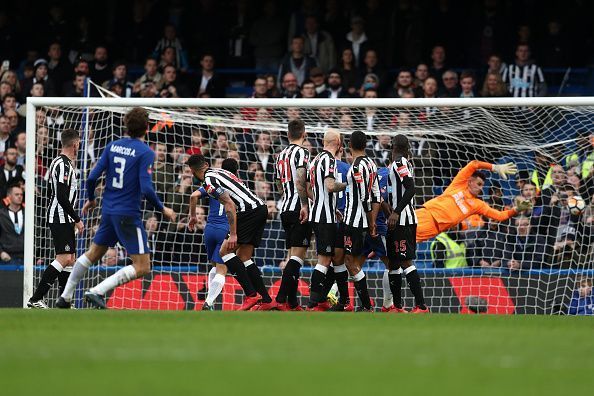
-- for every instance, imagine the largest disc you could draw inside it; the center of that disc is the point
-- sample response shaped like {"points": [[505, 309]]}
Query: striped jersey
{"points": [[400, 169], [218, 181], [61, 170], [523, 81], [289, 160], [363, 190], [323, 209]]}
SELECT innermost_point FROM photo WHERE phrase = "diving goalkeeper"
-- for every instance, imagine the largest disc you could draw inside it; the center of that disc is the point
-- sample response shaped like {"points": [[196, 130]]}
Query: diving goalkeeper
{"points": [[461, 200]]}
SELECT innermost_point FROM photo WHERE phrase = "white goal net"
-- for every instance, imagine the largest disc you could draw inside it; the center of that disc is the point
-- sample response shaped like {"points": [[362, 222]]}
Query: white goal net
{"points": [[533, 263]]}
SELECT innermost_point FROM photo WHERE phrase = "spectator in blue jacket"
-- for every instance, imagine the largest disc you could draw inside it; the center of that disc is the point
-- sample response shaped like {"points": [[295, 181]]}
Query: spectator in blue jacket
{"points": [[582, 301]]}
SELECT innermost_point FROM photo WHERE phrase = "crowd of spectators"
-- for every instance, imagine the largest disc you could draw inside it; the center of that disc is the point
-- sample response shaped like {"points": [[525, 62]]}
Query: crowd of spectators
{"points": [[311, 49]]}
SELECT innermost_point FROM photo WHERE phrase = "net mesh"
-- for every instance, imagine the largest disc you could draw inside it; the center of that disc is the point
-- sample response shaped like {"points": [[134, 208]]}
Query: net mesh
{"points": [[529, 264]]}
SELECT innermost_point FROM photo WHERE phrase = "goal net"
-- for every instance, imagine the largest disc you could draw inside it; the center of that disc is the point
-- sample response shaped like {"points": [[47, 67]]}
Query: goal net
{"points": [[533, 263]]}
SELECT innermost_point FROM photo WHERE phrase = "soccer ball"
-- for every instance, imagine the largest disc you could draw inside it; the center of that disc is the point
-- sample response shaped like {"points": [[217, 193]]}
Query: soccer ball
{"points": [[576, 205]]}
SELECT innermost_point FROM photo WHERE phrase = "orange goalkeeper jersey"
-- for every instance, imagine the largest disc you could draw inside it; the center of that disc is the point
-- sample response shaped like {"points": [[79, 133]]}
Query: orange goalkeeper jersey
{"points": [[456, 204]]}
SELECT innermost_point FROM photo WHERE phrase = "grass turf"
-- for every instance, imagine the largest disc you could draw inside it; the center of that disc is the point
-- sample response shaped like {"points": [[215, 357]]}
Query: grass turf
{"points": [[103, 353]]}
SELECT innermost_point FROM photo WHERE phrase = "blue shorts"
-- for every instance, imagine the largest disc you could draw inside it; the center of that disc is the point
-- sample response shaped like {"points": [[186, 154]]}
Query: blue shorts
{"points": [[377, 245], [128, 230], [213, 239]]}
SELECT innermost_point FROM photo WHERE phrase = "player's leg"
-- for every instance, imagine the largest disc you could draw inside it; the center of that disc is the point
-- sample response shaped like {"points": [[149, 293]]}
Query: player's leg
{"points": [[407, 245], [104, 237], [426, 227], [65, 274], [353, 242], [213, 238], [64, 243], [297, 239], [325, 245], [81, 266], [130, 232], [250, 228], [341, 275], [235, 267]]}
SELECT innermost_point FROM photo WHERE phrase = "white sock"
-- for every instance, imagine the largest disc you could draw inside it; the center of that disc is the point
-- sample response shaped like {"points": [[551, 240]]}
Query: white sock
{"points": [[211, 275], [80, 269], [122, 276], [358, 276], [321, 268], [215, 288], [388, 299], [56, 264]]}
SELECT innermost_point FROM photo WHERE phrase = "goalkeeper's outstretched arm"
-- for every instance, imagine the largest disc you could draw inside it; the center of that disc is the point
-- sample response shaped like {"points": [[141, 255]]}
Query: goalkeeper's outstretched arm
{"points": [[461, 179], [502, 215]]}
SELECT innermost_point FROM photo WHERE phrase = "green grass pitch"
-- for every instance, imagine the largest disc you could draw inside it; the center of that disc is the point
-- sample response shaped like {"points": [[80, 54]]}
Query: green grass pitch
{"points": [[87, 352]]}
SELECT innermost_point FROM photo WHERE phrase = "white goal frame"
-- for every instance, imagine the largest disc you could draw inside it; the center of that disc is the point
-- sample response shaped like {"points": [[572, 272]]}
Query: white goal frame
{"points": [[35, 102]]}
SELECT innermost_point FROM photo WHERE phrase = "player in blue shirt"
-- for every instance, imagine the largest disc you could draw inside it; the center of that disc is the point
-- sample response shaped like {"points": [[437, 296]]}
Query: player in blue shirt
{"points": [[215, 233], [128, 165]]}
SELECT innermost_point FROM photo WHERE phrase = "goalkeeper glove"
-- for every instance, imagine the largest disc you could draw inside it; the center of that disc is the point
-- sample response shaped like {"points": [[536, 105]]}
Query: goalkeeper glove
{"points": [[524, 205], [505, 169]]}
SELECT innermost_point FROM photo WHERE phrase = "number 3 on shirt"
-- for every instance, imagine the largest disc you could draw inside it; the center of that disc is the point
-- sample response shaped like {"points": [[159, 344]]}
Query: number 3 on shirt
{"points": [[120, 165]]}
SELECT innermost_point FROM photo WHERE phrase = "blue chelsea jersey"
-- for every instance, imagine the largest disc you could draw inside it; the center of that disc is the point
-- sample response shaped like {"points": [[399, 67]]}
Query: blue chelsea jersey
{"points": [[382, 178], [342, 168], [216, 212]]}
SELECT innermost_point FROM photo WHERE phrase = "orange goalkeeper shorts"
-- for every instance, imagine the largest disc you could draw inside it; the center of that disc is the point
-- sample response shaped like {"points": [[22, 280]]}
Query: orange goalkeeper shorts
{"points": [[427, 227]]}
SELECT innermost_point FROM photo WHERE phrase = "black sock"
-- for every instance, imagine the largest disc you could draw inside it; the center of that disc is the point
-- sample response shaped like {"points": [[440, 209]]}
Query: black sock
{"points": [[62, 279], [236, 267], [329, 280], [289, 283], [47, 280], [414, 283], [363, 293], [396, 288], [292, 291], [342, 281], [316, 293], [256, 278]]}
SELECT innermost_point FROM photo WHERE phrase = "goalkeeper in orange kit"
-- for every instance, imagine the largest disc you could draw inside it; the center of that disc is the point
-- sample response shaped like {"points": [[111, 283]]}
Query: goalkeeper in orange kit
{"points": [[461, 200]]}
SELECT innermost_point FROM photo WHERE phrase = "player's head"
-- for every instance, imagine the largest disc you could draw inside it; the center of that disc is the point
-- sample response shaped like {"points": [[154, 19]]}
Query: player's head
{"points": [[358, 141], [199, 165], [400, 147], [136, 121], [476, 183], [230, 165], [296, 130], [70, 139], [332, 141]]}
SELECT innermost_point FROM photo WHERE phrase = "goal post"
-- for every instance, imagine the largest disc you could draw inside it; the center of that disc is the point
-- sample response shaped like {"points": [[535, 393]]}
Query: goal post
{"points": [[446, 133]]}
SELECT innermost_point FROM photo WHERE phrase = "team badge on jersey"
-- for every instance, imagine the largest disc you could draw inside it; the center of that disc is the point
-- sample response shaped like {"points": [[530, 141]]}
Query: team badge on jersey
{"points": [[403, 171]]}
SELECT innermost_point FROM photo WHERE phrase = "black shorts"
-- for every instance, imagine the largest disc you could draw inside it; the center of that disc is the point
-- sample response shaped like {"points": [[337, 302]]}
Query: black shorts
{"points": [[401, 243], [296, 234], [340, 235], [325, 238], [250, 226], [63, 238], [354, 240]]}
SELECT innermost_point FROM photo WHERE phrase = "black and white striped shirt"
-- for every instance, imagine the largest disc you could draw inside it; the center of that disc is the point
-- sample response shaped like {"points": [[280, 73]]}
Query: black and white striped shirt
{"points": [[399, 169], [323, 209], [523, 81], [218, 181], [62, 171], [289, 160], [362, 191]]}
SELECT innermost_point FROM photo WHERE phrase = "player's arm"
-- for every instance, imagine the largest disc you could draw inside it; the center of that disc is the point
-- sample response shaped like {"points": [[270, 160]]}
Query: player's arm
{"points": [[465, 173], [501, 215], [301, 185], [95, 174], [196, 195], [146, 185], [330, 183]]}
